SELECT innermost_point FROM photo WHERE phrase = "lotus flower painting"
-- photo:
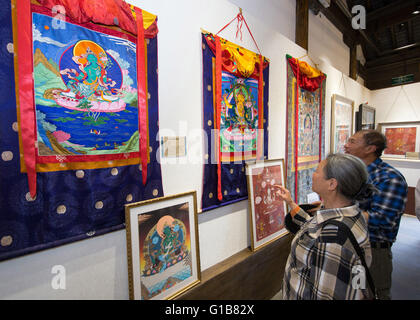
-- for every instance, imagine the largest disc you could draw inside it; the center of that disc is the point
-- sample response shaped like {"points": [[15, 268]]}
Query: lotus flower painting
{"points": [[85, 90]]}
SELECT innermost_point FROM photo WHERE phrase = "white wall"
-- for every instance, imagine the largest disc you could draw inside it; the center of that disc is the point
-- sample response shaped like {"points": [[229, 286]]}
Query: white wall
{"points": [[326, 43], [399, 104], [279, 15], [97, 268]]}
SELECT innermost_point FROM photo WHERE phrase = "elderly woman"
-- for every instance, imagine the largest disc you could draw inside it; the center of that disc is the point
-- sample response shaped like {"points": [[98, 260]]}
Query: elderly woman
{"points": [[323, 262]]}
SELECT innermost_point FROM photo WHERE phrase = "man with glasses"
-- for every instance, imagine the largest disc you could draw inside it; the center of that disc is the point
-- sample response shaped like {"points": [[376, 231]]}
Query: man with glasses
{"points": [[384, 208]]}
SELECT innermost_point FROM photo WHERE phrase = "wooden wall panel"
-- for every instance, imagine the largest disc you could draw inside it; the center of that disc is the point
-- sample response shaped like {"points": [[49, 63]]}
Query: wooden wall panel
{"points": [[410, 207], [244, 276]]}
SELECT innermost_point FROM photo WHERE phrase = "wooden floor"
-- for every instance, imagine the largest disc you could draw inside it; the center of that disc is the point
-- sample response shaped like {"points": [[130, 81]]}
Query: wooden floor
{"points": [[406, 260]]}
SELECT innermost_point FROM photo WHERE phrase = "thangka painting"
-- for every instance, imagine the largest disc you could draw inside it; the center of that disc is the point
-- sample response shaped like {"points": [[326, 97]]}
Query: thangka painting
{"points": [[341, 122], [86, 103], [235, 96], [305, 130], [238, 118], [267, 210], [162, 247], [401, 138]]}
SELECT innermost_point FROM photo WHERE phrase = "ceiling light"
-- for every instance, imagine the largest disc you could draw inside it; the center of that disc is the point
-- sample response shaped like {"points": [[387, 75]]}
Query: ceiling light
{"points": [[417, 10]]}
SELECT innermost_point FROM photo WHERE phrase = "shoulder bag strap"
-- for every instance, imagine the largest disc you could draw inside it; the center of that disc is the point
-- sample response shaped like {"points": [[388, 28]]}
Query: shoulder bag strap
{"points": [[342, 226]]}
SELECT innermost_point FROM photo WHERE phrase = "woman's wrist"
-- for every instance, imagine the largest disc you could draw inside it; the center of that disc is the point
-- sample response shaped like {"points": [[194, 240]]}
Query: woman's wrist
{"points": [[293, 205], [294, 209]]}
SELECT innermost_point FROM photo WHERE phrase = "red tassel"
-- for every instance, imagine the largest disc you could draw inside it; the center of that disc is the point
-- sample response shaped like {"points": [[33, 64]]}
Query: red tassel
{"points": [[26, 91], [218, 112], [141, 94]]}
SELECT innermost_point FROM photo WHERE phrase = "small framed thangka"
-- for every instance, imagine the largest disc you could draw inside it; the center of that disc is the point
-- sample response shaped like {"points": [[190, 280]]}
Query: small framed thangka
{"points": [[267, 210], [162, 247], [401, 138], [341, 122], [365, 117]]}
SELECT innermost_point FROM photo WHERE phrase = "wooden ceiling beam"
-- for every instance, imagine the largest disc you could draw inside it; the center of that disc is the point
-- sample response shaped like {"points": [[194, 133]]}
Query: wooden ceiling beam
{"points": [[393, 37], [302, 23], [361, 70], [410, 29], [401, 49], [392, 14], [405, 54], [390, 10], [381, 77]]}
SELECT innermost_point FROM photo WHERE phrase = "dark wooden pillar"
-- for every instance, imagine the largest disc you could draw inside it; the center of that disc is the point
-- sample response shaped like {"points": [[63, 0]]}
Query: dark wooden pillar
{"points": [[302, 18], [353, 61]]}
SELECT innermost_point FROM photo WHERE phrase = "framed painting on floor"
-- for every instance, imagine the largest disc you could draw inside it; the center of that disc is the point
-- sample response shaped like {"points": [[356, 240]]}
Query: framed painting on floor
{"points": [[162, 247], [401, 137], [341, 122], [267, 210]]}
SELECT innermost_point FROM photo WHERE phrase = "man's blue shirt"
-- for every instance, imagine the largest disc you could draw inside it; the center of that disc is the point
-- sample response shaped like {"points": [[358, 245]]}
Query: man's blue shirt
{"points": [[387, 203]]}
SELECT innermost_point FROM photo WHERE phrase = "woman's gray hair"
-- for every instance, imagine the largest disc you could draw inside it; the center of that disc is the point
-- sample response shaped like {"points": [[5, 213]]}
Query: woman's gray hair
{"points": [[351, 175]]}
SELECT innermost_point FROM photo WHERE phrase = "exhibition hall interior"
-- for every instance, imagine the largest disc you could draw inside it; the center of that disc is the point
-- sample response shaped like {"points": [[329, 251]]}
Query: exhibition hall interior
{"points": [[210, 150]]}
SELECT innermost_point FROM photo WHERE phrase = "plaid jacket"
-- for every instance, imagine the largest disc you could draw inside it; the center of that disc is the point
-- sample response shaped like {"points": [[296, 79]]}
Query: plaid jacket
{"points": [[387, 204], [322, 261]]}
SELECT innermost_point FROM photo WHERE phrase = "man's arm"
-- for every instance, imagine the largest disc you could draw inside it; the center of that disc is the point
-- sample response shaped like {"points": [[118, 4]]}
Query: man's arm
{"points": [[387, 206]]}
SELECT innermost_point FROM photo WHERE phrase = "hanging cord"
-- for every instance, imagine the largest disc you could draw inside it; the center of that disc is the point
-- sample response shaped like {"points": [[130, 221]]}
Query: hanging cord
{"points": [[409, 101], [306, 55], [344, 84], [240, 20], [393, 104]]}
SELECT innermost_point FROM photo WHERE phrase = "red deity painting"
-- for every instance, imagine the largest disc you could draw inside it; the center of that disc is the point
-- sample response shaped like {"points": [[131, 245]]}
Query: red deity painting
{"points": [[400, 140], [269, 209]]}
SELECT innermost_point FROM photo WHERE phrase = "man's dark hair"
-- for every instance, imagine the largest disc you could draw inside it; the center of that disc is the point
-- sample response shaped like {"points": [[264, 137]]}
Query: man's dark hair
{"points": [[375, 138]]}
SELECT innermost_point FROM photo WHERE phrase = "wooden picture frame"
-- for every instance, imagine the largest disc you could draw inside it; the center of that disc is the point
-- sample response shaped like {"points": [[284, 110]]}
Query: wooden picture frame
{"points": [[342, 110], [267, 211], [365, 117], [402, 138], [162, 246]]}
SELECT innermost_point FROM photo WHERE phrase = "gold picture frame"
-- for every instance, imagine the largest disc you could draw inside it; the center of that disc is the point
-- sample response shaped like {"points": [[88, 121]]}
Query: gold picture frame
{"points": [[342, 110], [162, 247], [267, 213]]}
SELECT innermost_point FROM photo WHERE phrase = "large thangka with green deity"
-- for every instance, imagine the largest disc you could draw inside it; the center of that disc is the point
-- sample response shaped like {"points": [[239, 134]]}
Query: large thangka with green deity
{"points": [[80, 104]]}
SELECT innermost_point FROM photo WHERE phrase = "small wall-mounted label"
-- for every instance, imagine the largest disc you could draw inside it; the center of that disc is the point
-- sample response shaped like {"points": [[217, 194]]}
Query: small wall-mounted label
{"points": [[173, 147]]}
